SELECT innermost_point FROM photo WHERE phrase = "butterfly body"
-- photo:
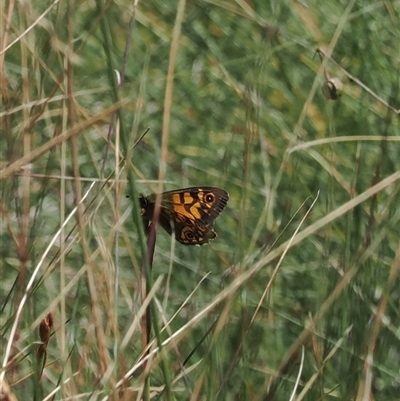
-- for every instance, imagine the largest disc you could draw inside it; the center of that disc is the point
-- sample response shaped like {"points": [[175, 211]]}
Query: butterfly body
{"points": [[187, 213]]}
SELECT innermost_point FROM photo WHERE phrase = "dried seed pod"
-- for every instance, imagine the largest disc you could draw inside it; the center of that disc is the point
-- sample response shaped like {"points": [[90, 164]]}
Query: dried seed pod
{"points": [[45, 328], [332, 88]]}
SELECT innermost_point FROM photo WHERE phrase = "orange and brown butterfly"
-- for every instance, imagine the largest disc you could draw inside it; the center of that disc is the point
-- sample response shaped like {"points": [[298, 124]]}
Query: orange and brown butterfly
{"points": [[188, 213]]}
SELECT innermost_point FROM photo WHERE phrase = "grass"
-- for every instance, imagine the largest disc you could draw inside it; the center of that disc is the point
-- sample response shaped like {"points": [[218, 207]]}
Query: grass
{"points": [[297, 297]]}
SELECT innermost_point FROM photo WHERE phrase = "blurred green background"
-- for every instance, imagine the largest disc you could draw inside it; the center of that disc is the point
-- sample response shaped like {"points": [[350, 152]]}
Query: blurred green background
{"points": [[247, 115]]}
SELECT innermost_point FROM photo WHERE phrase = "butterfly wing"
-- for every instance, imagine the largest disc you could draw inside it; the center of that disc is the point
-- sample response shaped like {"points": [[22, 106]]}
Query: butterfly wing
{"points": [[203, 204], [189, 213], [186, 231]]}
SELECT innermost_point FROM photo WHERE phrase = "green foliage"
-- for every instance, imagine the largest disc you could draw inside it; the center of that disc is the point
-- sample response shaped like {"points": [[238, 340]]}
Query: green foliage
{"points": [[247, 114]]}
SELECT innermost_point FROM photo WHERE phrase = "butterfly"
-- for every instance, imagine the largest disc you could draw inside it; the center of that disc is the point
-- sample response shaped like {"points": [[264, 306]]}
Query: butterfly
{"points": [[188, 213]]}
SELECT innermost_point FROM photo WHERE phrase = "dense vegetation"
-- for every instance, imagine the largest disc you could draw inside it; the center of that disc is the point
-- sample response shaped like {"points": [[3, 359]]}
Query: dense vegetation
{"points": [[299, 294]]}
